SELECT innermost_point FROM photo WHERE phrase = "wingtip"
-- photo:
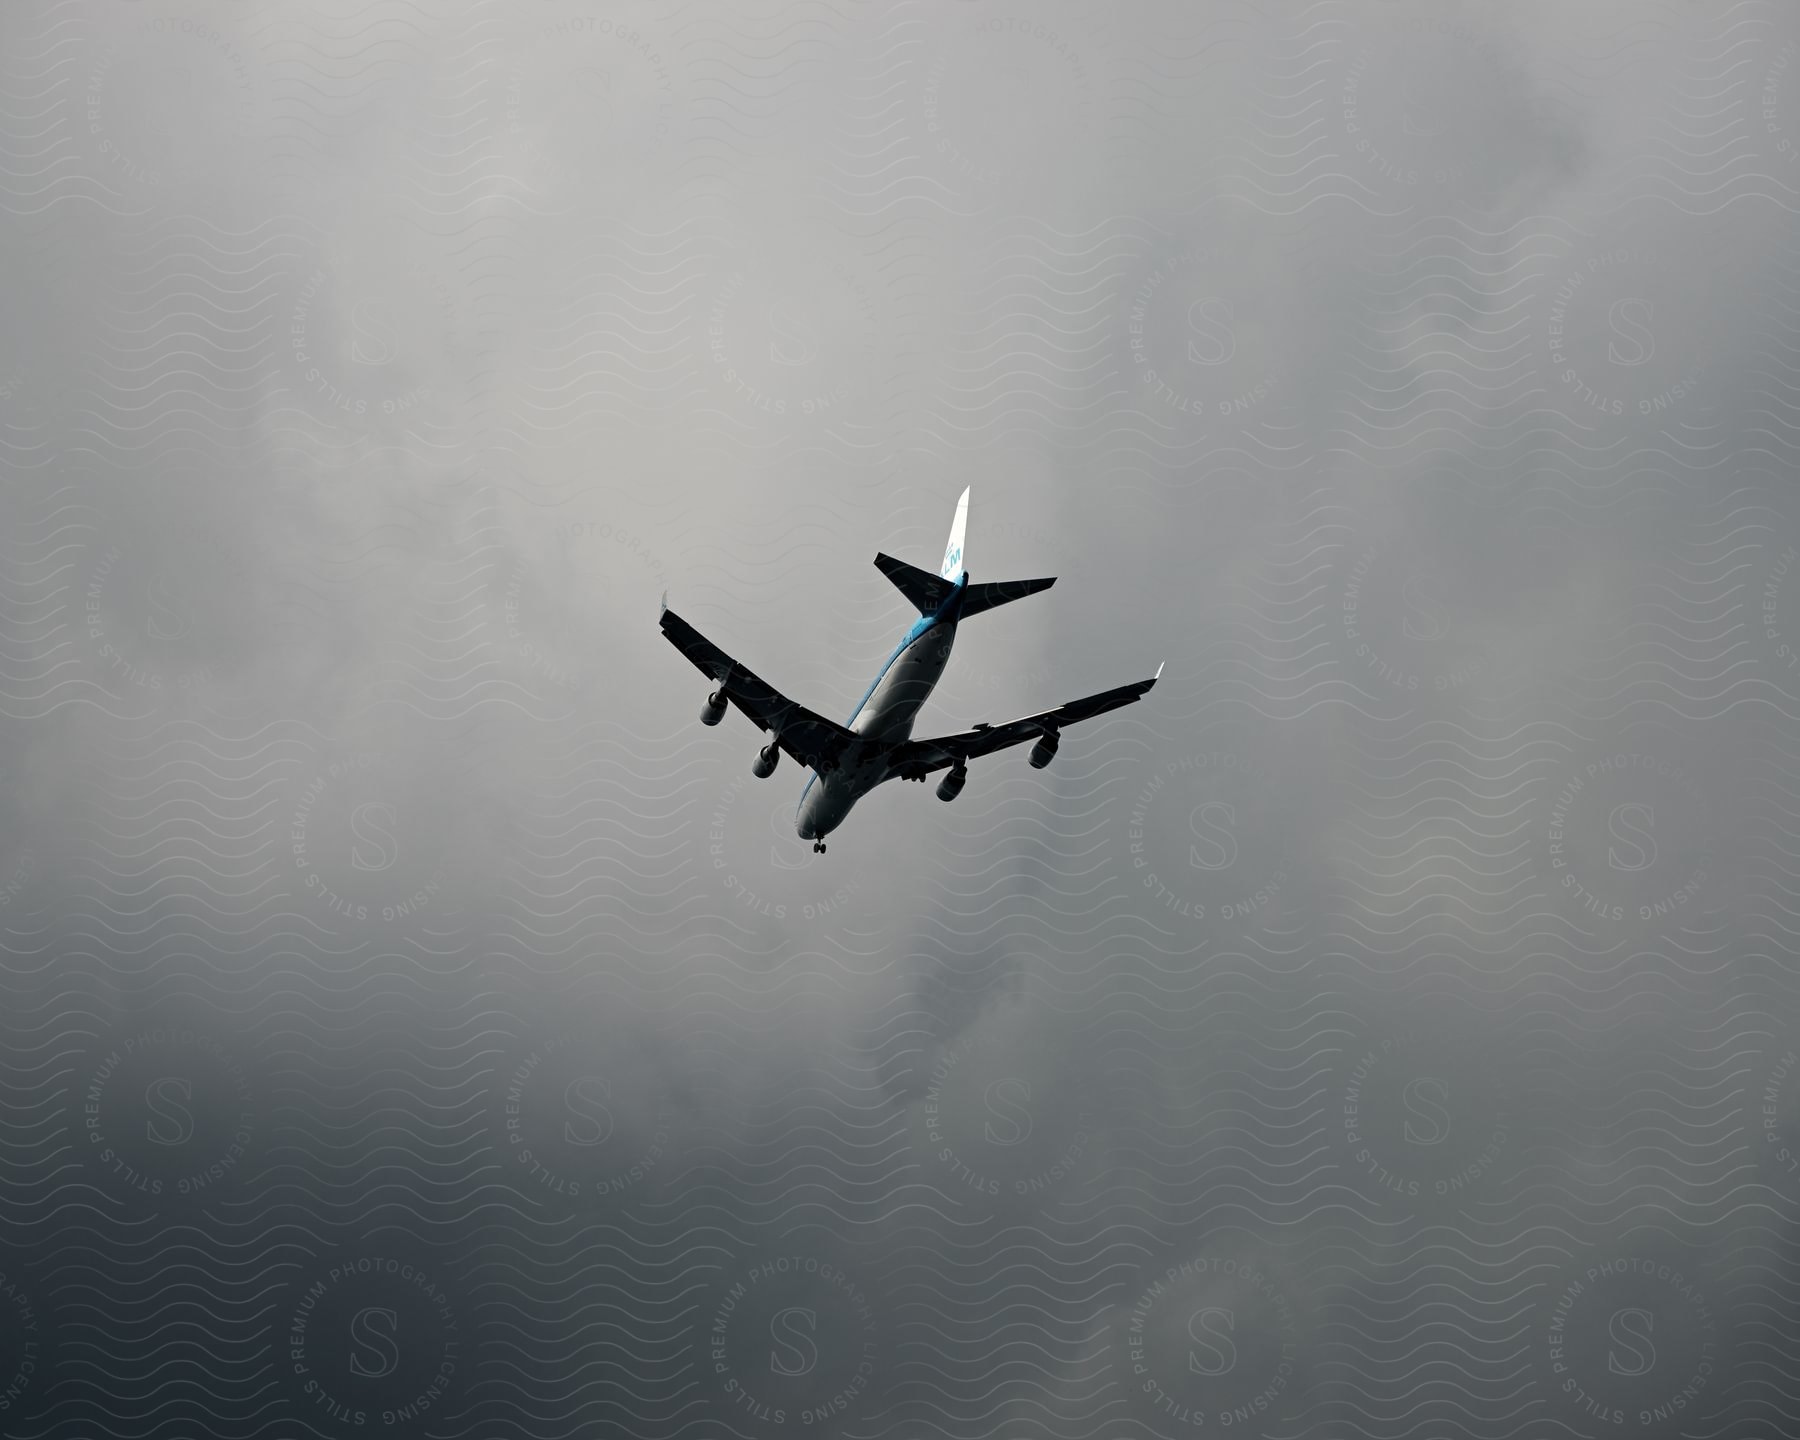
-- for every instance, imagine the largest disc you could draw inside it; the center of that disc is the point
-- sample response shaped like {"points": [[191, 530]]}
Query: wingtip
{"points": [[1159, 670], [665, 604]]}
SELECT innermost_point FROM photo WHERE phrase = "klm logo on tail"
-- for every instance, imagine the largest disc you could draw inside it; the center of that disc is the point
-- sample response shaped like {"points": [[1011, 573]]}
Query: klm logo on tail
{"points": [[951, 569]]}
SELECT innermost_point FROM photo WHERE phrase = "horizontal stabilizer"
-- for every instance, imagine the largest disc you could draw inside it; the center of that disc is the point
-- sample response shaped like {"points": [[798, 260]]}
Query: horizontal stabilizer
{"points": [[925, 590], [998, 592]]}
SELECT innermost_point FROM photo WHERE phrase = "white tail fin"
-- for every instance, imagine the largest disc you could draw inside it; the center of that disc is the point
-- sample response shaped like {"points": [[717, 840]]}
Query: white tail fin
{"points": [[953, 552]]}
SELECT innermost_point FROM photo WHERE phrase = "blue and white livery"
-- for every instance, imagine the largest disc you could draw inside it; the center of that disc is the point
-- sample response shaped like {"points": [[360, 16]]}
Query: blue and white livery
{"points": [[875, 743]]}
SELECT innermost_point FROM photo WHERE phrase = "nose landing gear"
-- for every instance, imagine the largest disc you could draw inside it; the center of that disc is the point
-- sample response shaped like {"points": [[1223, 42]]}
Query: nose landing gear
{"points": [[818, 847]]}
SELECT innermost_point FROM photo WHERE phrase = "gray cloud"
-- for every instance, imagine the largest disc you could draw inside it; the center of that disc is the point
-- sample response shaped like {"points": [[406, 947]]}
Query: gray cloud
{"points": [[1386, 1024]]}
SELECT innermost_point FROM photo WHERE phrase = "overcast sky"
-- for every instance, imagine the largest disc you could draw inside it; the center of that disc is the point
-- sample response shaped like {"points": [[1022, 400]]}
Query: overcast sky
{"points": [[415, 1019]]}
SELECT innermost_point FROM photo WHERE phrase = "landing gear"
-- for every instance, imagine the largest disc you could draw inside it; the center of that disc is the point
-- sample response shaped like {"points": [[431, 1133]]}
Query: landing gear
{"points": [[818, 847]]}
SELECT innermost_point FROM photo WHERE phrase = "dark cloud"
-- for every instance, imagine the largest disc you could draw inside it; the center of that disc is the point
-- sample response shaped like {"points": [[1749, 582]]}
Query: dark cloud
{"points": [[413, 1012]]}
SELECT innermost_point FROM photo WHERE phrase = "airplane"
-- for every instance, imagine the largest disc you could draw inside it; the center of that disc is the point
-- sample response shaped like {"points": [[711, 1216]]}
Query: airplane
{"points": [[849, 760]]}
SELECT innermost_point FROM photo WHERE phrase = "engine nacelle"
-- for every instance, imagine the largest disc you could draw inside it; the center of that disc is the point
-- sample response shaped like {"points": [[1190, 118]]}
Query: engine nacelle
{"points": [[713, 711], [763, 766], [1044, 751], [951, 785]]}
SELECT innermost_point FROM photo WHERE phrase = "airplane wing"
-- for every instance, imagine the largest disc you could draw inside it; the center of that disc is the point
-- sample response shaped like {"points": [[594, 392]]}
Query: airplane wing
{"points": [[811, 739], [921, 757]]}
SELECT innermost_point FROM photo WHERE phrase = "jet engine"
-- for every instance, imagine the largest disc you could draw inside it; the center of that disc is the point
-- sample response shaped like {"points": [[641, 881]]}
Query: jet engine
{"points": [[763, 766], [1044, 751], [713, 711], [951, 785]]}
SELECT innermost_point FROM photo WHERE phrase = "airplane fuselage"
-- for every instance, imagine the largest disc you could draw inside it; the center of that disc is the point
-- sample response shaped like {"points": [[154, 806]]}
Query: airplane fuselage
{"points": [[885, 714]]}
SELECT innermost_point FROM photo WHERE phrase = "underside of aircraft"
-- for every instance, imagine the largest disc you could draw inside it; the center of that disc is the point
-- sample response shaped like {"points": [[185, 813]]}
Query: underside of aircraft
{"points": [[875, 744]]}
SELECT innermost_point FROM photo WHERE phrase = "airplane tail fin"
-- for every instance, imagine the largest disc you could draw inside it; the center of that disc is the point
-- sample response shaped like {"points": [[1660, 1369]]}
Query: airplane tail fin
{"points": [[953, 552], [927, 592]]}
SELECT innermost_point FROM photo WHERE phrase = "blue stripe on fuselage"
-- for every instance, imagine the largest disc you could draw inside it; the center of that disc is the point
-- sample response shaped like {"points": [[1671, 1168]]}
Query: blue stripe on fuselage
{"points": [[920, 626]]}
